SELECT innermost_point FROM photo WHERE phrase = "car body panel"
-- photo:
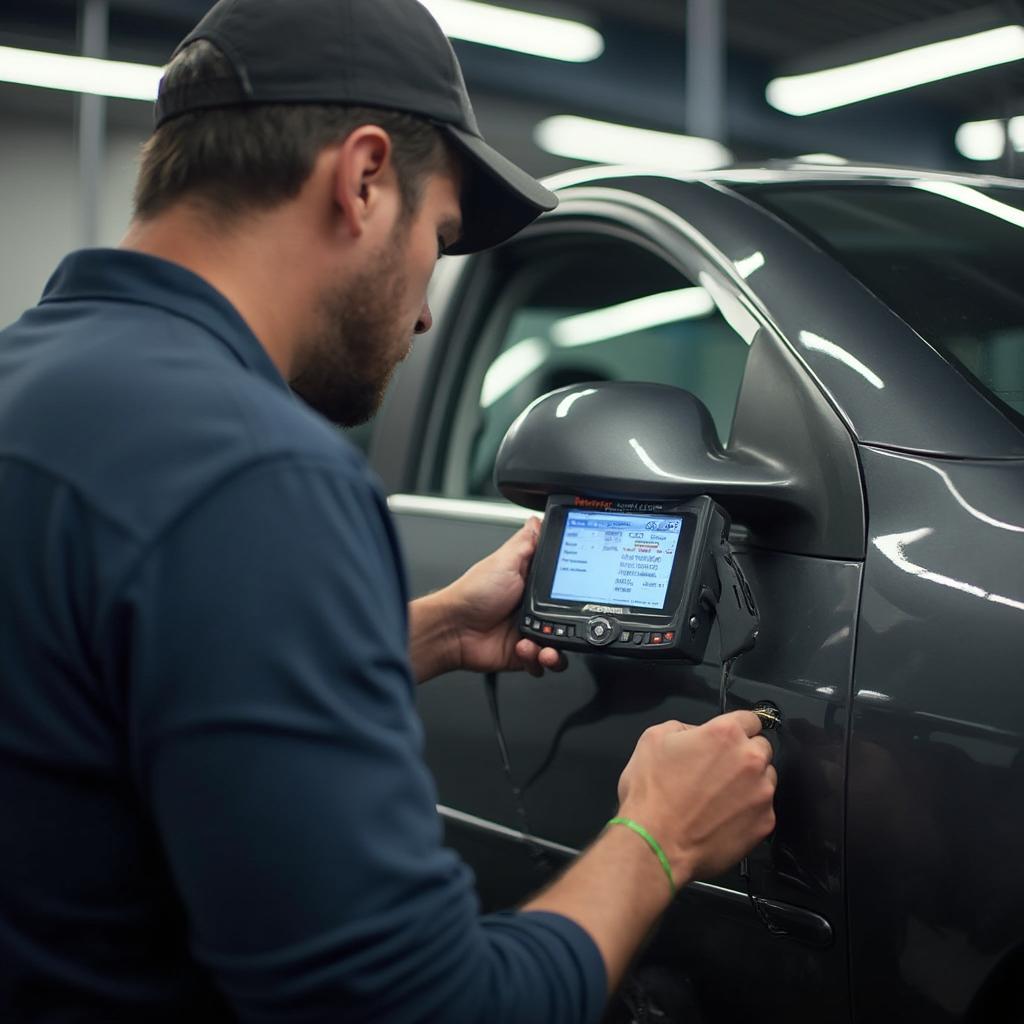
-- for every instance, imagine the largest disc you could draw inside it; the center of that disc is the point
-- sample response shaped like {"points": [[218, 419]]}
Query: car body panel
{"points": [[569, 736], [936, 774], [900, 769]]}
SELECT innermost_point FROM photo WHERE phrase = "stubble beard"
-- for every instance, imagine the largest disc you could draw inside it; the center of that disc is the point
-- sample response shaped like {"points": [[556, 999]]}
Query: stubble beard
{"points": [[353, 353]]}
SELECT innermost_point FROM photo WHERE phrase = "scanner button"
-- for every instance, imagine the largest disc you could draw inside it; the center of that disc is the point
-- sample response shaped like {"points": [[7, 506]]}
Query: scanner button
{"points": [[669, 637], [656, 638], [570, 630], [547, 628], [638, 638], [600, 632], [528, 622], [626, 637], [559, 630]]}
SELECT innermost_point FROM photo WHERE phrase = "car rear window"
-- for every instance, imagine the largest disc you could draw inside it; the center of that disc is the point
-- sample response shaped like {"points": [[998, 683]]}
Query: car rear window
{"points": [[947, 257]]}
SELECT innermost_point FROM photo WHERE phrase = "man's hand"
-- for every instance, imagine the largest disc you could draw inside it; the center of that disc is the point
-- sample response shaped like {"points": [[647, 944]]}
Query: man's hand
{"points": [[473, 623], [704, 792]]}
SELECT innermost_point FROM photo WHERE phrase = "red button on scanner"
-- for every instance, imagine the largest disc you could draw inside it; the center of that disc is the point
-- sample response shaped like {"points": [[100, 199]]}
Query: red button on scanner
{"points": [[656, 638], [669, 637], [547, 628]]}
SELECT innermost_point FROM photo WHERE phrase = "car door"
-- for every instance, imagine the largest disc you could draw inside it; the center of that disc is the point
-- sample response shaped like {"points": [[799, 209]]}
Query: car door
{"points": [[607, 289]]}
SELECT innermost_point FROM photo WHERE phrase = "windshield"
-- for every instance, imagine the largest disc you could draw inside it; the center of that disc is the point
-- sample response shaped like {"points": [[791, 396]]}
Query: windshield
{"points": [[947, 258]]}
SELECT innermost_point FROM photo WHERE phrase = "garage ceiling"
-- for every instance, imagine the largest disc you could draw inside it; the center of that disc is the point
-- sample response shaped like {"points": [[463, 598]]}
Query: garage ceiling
{"points": [[765, 38]]}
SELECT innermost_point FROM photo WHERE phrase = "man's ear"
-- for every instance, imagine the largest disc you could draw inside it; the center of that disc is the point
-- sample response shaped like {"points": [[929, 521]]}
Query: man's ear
{"points": [[362, 170]]}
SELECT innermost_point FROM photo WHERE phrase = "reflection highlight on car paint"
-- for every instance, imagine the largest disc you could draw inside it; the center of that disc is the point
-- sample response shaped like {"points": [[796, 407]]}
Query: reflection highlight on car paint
{"points": [[892, 546], [570, 400], [957, 496], [816, 343], [875, 695], [748, 264], [972, 197], [649, 462]]}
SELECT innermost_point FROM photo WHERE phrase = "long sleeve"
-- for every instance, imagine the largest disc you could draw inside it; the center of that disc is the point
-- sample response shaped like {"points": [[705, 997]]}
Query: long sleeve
{"points": [[275, 743]]}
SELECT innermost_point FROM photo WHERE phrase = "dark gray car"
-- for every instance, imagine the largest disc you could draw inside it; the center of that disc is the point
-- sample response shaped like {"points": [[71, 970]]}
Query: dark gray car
{"points": [[862, 332]]}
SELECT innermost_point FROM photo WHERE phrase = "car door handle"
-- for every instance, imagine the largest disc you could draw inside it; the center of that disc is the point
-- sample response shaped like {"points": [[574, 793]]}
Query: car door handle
{"points": [[797, 923]]}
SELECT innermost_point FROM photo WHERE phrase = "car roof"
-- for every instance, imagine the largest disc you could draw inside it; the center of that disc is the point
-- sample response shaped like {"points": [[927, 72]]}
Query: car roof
{"points": [[783, 172], [828, 317]]}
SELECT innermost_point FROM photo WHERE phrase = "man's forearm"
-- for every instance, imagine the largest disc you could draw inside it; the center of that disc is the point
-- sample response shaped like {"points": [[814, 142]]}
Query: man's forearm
{"points": [[433, 637], [616, 891]]}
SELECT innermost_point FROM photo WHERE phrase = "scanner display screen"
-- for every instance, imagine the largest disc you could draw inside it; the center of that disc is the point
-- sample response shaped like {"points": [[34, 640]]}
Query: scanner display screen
{"points": [[615, 558]]}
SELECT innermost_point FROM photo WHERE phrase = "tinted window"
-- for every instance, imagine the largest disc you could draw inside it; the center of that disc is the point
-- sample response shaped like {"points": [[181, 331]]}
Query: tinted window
{"points": [[588, 309], [945, 257]]}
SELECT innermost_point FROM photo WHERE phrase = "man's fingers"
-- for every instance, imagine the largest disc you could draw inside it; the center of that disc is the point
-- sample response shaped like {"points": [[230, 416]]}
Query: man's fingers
{"points": [[670, 726], [528, 534], [553, 660], [535, 658], [765, 747], [747, 721]]}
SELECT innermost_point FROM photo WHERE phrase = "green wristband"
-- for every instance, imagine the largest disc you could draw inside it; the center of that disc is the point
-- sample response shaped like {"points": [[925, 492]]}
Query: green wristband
{"points": [[652, 843]]}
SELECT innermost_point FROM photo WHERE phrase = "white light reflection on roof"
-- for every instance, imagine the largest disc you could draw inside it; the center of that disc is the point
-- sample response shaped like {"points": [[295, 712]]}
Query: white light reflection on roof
{"points": [[974, 198]]}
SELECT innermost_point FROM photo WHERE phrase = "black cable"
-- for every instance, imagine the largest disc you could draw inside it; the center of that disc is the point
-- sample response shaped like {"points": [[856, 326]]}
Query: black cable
{"points": [[756, 902], [537, 852]]}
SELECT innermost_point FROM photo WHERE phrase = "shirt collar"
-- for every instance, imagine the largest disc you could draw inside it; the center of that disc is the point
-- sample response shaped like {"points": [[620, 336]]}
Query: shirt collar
{"points": [[120, 275]]}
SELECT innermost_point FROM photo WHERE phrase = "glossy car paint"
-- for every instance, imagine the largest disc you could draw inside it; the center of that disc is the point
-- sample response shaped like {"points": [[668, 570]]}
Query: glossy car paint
{"points": [[569, 737], [935, 837], [906, 818]]}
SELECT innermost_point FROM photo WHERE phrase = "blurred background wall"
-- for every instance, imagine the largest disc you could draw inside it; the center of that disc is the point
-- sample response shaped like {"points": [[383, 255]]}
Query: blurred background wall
{"points": [[693, 71]]}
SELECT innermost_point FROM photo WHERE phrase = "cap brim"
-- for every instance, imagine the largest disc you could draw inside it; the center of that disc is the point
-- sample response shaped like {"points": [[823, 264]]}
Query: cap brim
{"points": [[499, 200]]}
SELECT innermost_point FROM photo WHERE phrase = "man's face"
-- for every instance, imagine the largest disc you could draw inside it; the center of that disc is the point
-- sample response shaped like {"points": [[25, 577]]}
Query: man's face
{"points": [[364, 327]]}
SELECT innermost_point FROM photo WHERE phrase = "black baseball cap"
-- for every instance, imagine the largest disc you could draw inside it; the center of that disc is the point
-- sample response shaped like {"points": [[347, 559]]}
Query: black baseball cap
{"points": [[376, 53]]}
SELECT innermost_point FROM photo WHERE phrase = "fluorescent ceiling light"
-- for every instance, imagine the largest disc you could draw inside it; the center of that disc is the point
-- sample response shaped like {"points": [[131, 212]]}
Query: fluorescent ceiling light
{"points": [[986, 140], [972, 197], [517, 363], [1015, 129], [510, 368], [581, 138], [852, 83], [79, 74], [536, 34], [981, 140]]}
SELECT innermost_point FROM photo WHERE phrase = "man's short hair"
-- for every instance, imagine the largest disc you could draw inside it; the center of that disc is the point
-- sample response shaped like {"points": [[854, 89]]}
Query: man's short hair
{"points": [[239, 159]]}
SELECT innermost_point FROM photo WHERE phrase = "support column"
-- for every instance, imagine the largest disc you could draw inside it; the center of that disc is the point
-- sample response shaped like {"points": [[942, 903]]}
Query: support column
{"points": [[93, 22], [705, 69]]}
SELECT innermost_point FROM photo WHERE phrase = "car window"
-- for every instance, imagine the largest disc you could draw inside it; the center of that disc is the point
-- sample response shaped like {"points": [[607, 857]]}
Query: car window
{"points": [[582, 310], [944, 256]]}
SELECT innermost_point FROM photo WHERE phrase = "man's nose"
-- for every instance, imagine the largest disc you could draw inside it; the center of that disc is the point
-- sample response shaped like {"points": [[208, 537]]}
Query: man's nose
{"points": [[425, 320]]}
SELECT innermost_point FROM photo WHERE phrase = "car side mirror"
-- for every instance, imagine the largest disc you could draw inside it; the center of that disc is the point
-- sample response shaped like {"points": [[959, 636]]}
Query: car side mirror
{"points": [[625, 439]]}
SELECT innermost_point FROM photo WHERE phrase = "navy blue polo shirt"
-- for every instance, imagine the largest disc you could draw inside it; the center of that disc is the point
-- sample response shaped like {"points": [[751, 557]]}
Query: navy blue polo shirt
{"points": [[213, 804]]}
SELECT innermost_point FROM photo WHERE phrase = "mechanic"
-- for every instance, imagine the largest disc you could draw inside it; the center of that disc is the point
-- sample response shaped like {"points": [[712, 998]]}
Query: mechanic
{"points": [[215, 805]]}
